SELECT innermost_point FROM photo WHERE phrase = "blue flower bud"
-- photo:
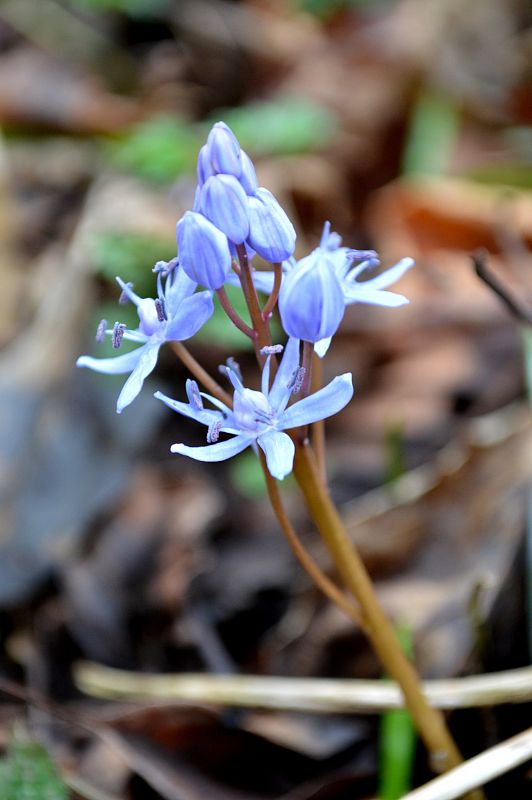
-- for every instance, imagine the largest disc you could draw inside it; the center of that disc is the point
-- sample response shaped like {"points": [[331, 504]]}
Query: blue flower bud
{"points": [[204, 169], [311, 301], [224, 151], [225, 203], [248, 179], [203, 250], [271, 233]]}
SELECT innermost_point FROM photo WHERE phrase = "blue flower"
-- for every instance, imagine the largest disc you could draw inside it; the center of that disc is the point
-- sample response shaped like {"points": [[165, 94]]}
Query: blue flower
{"points": [[203, 250], [222, 151], [311, 301], [260, 418], [271, 234], [347, 265], [224, 202], [176, 314]]}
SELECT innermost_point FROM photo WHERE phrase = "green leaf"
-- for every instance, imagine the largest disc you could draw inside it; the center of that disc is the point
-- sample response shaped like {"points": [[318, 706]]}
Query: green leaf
{"points": [[397, 741], [130, 256], [159, 150], [286, 125], [28, 773], [431, 136]]}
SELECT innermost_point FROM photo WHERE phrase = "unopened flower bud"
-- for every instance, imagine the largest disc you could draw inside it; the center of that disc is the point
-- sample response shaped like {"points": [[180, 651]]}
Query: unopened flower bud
{"points": [[311, 301], [204, 169], [223, 151], [224, 202], [271, 233], [203, 250], [248, 179]]}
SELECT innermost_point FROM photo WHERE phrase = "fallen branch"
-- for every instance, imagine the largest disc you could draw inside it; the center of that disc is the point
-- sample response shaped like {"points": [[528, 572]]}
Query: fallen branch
{"points": [[477, 771], [318, 695]]}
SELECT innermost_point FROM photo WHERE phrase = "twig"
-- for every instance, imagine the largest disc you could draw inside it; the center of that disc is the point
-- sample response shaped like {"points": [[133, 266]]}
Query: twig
{"points": [[517, 309], [311, 695], [477, 771], [305, 559]]}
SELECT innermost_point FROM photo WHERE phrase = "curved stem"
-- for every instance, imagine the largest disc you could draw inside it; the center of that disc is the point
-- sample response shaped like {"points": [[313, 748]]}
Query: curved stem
{"points": [[232, 314], [212, 386], [305, 559], [429, 722], [272, 299]]}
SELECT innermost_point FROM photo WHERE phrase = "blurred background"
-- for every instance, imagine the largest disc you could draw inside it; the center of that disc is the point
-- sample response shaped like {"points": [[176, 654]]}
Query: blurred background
{"points": [[408, 125]]}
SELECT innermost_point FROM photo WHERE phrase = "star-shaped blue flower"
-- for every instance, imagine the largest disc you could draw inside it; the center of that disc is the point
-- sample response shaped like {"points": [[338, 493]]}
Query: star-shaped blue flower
{"points": [[175, 315], [260, 418]]}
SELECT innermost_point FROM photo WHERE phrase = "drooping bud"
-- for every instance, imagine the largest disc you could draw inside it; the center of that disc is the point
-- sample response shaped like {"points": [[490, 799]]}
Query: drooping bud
{"points": [[225, 203], [203, 250], [223, 150], [311, 301], [100, 331], [271, 233], [118, 334], [248, 179]]}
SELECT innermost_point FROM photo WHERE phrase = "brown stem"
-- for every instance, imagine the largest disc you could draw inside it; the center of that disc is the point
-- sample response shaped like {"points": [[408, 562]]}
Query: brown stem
{"points": [[261, 327], [429, 722], [318, 428], [232, 314], [272, 299], [305, 559], [212, 386]]}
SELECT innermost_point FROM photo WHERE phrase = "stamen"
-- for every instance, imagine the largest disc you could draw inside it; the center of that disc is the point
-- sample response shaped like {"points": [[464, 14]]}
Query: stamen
{"points": [[193, 394], [164, 268], [213, 434], [296, 381], [272, 350], [118, 334], [100, 331], [233, 365], [124, 299], [161, 309]]}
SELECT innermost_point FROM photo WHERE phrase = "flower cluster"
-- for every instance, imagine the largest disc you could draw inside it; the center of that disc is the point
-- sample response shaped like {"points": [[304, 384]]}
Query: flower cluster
{"points": [[232, 219], [230, 209]]}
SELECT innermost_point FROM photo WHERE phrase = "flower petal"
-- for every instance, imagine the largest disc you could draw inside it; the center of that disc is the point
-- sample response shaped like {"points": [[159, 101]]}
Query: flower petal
{"points": [[321, 347], [192, 313], [280, 393], [324, 403], [374, 297], [145, 365], [178, 286], [215, 452], [279, 450], [204, 415], [390, 275], [116, 365]]}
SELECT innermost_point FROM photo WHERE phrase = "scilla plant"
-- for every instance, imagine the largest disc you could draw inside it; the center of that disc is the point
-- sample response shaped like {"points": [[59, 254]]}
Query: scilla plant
{"points": [[234, 219]]}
